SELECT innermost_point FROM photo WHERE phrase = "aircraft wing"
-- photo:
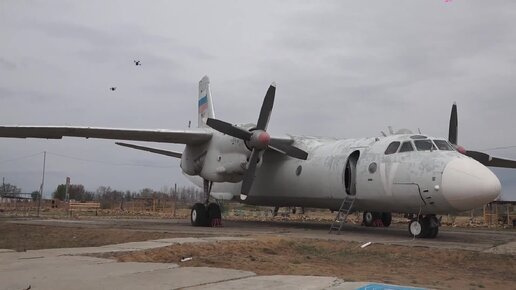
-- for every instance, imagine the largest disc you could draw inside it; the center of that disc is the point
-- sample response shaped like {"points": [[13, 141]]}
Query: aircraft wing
{"points": [[189, 137]]}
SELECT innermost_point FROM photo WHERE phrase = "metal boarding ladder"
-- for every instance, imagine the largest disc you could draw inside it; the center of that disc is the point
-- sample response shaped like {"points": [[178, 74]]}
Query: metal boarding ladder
{"points": [[342, 214]]}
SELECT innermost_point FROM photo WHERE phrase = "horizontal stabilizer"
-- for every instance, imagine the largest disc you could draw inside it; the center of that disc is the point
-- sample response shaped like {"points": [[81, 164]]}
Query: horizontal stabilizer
{"points": [[153, 150], [152, 135]]}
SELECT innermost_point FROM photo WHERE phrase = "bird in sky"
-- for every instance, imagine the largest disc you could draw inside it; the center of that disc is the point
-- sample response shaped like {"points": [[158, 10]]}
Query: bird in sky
{"points": [[137, 62], [112, 88]]}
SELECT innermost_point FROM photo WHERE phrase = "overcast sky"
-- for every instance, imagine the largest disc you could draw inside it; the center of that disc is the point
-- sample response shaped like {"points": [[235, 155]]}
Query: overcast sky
{"points": [[343, 69]]}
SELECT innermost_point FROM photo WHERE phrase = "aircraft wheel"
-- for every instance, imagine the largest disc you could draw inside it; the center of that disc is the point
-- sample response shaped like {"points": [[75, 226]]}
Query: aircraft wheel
{"points": [[386, 219], [198, 215], [368, 219], [416, 228], [432, 232], [214, 215], [371, 219], [433, 226]]}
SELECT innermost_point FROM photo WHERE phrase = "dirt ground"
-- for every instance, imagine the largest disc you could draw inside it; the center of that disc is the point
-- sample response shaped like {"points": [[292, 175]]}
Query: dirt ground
{"points": [[272, 254], [32, 237], [417, 266]]}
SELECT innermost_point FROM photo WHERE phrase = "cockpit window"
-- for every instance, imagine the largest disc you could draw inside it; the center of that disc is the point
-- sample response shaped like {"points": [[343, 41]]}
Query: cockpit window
{"points": [[443, 145], [406, 147], [392, 148], [424, 145]]}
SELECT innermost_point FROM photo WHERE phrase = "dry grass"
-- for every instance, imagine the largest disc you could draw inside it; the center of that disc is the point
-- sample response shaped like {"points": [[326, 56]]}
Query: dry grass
{"points": [[435, 268], [31, 237]]}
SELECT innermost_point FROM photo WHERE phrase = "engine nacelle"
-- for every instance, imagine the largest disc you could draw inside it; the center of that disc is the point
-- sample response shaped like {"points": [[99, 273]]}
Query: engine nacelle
{"points": [[223, 159]]}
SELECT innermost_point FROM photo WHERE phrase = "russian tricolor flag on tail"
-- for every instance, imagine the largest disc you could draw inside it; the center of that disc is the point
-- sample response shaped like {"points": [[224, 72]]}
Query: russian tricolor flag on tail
{"points": [[205, 104]]}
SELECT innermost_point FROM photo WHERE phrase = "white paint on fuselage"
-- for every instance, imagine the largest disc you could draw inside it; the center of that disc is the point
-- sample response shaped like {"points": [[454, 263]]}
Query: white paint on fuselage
{"points": [[408, 182]]}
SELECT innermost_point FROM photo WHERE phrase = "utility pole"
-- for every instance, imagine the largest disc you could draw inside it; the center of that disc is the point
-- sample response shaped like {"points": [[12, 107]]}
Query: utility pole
{"points": [[67, 195], [42, 181]]}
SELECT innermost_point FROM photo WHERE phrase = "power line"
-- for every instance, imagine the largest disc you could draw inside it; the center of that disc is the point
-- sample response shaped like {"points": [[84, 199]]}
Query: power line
{"points": [[106, 162], [20, 157]]}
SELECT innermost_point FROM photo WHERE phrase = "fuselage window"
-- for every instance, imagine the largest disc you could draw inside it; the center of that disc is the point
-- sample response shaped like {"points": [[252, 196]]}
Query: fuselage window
{"points": [[443, 145], [424, 145], [392, 148], [406, 147]]}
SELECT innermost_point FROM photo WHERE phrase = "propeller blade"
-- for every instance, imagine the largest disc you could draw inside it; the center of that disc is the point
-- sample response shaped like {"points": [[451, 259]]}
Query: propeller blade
{"points": [[452, 132], [229, 129], [289, 150], [265, 112], [247, 182], [488, 160]]}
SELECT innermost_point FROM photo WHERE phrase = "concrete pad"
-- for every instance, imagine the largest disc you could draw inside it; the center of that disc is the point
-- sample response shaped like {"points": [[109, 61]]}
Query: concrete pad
{"points": [[65, 269], [505, 249], [125, 247], [349, 286], [275, 282], [173, 279], [69, 272]]}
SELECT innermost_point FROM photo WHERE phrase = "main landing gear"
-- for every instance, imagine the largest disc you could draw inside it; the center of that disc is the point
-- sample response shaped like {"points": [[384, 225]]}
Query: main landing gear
{"points": [[424, 226], [376, 219], [206, 214]]}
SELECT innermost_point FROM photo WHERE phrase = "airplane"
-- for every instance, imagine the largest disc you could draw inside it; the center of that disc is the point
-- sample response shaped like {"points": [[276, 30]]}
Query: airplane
{"points": [[414, 174]]}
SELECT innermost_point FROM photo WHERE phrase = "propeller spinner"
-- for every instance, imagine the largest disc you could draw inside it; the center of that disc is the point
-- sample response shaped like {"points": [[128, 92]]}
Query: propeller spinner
{"points": [[257, 139]]}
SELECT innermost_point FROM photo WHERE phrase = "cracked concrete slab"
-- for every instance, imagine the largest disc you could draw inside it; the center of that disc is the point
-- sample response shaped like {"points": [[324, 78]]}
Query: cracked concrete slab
{"points": [[274, 282], [67, 269]]}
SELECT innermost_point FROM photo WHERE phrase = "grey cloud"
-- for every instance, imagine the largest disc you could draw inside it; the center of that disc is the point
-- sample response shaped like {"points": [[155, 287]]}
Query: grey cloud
{"points": [[106, 43], [7, 65]]}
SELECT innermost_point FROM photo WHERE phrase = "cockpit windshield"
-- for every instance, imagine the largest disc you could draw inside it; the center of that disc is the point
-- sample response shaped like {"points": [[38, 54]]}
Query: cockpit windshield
{"points": [[443, 145], [424, 145], [392, 148], [406, 147]]}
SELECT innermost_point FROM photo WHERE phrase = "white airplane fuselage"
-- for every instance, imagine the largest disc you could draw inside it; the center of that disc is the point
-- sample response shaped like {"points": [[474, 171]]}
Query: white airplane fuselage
{"points": [[430, 181]]}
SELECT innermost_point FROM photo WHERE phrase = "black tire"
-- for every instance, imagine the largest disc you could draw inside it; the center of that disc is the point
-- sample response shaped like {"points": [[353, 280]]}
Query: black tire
{"points": [[427, 230], [416, 228], [214, 215], [368, 218], [432, 232], [433, 226], [199, 215], [386, 219]]}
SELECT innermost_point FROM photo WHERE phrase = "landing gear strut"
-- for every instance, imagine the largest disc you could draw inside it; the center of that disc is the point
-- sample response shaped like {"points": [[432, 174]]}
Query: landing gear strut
{"points": [[424, 226], [206, 214]]}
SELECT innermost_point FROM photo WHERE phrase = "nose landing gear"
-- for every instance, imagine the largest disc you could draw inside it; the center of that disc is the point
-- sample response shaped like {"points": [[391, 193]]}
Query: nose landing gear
{"points": [[424, 226]]}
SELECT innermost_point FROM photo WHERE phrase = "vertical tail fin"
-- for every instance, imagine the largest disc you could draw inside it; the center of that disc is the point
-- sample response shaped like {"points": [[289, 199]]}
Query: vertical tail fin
{"points": [[205, 104]]}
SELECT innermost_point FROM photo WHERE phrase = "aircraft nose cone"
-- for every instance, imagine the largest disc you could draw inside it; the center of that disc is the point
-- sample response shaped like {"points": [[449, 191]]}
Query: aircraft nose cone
{"points": [[467, 184]]}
